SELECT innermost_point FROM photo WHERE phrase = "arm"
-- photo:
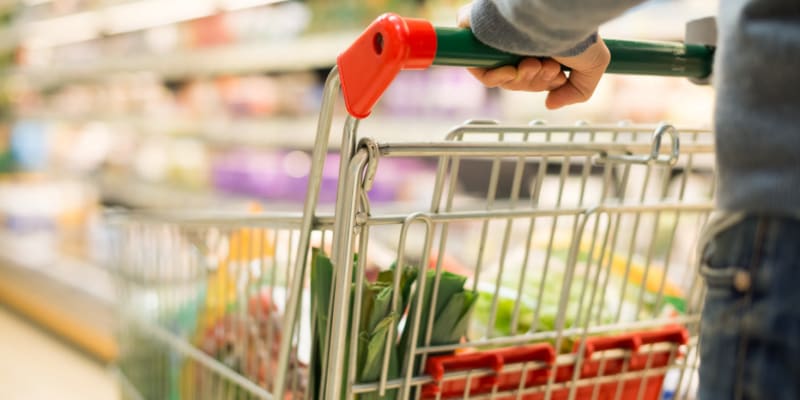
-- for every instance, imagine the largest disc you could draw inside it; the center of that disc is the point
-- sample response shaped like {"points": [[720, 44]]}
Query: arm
{"points": [[563, 29], [543, 27]]}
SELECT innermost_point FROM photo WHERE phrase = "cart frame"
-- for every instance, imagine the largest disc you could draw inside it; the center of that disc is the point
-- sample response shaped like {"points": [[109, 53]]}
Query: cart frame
{"points": [[353, 218]]}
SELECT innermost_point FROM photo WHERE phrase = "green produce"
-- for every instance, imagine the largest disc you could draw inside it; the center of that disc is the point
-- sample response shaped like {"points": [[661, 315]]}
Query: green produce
{"points": [[612, 297], [379, 321], [452, 310]]}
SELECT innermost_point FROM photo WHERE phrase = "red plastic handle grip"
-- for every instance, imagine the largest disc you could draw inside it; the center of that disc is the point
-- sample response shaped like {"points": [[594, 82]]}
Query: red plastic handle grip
{"points": [[669, 334], [390, 44], [438, 366], [496, 360], [542, 352], [630, 342]]}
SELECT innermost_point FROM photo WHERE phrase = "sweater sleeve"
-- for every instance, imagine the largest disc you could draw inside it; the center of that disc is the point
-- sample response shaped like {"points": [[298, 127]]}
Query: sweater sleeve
{"points": [[543, 27]]}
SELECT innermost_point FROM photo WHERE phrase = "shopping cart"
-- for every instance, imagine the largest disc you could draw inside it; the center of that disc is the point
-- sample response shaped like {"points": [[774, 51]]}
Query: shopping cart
{"points": [[569, 276]]}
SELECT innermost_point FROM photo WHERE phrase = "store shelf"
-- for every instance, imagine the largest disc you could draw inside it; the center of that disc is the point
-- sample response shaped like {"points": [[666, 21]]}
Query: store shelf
{"points": [[126, 16], [298, 54], [70, 312], [68, 295], [133, 193], [38, 253], [273, 132]]}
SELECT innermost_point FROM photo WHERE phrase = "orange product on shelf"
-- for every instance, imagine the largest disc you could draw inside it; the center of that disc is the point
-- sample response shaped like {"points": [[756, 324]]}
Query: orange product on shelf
{"points": [[244, 245]]}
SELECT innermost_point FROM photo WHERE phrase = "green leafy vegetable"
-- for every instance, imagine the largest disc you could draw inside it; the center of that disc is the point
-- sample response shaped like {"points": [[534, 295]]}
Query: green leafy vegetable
{"points": [[378, 321], [451, 312]]}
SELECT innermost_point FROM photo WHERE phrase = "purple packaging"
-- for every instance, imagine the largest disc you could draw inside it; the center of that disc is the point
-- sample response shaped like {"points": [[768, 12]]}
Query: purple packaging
{"points": [[283, 175]]}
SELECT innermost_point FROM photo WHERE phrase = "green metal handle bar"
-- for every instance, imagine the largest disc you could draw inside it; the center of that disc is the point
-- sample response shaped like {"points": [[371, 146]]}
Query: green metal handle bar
{"points": [[393, 43], [459, 47]]}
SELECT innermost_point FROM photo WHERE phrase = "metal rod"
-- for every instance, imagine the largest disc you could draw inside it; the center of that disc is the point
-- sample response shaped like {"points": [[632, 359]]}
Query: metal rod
{"points": [[205, 360], [342, 254], [479, 149], [331, 90]]}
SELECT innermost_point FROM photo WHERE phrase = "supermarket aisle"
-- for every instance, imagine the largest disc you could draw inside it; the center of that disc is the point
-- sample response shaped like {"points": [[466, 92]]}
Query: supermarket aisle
{"points": [[35, 365]]}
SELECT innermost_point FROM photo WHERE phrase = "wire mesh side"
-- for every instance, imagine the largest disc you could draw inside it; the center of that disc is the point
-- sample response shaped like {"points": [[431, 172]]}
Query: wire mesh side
{"points": [[201, 306], [559, 243]]}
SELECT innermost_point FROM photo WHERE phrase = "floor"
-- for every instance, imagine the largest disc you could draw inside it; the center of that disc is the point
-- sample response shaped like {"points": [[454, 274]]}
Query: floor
{"points": [[36, 365]]}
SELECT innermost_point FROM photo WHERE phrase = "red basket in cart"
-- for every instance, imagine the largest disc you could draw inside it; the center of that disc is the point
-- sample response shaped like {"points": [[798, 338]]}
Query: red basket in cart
{"points": [[528, 372]]}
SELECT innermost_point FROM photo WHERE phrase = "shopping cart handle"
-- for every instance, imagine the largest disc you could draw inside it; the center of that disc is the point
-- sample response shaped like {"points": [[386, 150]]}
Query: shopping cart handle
{"points": [[460, 47], [393, 43]]}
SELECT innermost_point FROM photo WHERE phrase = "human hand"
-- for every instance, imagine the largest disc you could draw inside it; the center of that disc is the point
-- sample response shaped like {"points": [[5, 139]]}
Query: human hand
{"points": [[535, 74]]}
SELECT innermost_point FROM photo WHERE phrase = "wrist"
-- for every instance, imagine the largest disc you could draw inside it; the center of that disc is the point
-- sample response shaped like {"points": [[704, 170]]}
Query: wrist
{"points": [[594, 56], [581, 47]]}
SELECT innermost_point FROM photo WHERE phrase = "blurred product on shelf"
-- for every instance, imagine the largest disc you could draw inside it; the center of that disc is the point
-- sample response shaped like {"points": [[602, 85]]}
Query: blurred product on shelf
{"points": [[284, 176], [39, 146], [6, 158], [179, 162], [620, 98], [112, 29], [44, 218], [145, 95], [347, 14], [29, 145], [448, 93]]}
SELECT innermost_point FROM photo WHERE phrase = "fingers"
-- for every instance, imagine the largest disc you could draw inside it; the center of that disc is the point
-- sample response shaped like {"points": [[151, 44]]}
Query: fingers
{"points": [[532, 74], [535, 75], [494, 77], [558, 81], [527, 72], [565, 95]]}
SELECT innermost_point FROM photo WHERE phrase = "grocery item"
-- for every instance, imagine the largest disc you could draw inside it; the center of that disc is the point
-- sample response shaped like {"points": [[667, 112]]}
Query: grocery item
{"points": [[534, 301], [379, 322], [240, 342], [451, 311], [239, 320]]}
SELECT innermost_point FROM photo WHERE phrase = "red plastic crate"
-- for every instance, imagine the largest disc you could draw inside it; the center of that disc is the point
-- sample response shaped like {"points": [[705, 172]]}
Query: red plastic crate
{"points": [[506, 365]]}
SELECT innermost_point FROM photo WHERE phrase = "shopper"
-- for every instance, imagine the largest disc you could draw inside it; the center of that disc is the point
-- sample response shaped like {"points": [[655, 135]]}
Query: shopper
{"points": [[750, 329]]}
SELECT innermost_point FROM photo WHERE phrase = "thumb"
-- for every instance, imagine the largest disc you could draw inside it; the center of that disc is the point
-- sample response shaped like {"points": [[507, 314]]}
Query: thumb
{"points": [[587, 70], [577, 89]]}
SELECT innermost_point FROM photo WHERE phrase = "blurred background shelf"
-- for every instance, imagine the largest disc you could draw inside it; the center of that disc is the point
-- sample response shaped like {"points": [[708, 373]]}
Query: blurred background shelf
{"points": [[297, 132], [213, 105], [131, 193], [121, 16], [72, 301], [295, 54], [659, 20]]}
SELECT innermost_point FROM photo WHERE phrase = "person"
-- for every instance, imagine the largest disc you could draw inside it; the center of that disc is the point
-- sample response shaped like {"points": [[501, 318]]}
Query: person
{"points": [[750, 257]]}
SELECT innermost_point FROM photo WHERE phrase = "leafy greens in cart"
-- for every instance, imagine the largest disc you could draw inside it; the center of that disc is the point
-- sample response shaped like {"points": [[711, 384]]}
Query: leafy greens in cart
{"points": [[379, 322]]}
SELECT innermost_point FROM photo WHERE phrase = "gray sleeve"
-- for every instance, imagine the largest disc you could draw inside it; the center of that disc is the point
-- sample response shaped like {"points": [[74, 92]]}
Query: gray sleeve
{"points": [[543, 27]]}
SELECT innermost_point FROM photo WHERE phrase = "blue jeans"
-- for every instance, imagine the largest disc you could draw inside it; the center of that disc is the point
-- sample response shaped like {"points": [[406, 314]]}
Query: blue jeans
{"points": [[750, 329]]}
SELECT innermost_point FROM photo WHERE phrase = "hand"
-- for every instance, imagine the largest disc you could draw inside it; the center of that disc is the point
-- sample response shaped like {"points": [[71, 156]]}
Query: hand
{"points": [[544, 74]]}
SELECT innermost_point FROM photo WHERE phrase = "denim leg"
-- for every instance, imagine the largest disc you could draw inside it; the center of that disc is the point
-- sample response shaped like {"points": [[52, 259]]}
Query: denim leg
{"points": [[750, 328]]}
